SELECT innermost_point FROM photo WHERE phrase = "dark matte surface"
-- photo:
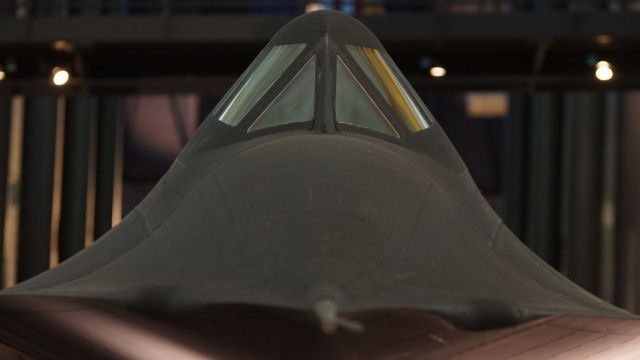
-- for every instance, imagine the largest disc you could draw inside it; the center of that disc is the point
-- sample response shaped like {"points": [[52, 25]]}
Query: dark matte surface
{"points": [[247, 232], [109, 117], [345, 216], [5, 131], [482, 50], [584, 177], [73, 214], [515, 160], [627, 208], [36, 192], [544, 167], [259, 28], [60, 328]]}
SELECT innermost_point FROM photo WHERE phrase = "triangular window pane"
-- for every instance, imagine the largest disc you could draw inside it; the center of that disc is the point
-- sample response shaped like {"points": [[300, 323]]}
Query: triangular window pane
{"points": [[255, 82], [294, 103], [388, 80], [355, 107]]}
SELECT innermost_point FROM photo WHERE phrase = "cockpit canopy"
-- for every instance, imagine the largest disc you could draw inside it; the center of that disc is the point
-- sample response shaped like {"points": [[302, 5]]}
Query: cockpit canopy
{"points": [[328, 83]]}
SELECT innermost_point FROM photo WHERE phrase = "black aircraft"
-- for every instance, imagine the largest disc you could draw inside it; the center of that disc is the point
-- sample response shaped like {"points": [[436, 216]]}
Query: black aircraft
{"points": [[320, 212]]}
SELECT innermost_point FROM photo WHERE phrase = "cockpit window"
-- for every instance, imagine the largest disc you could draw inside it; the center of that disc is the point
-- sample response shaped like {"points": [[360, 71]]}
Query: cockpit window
{"points": [[355, 107], [255, 82], [294, 103], [388, 80]]}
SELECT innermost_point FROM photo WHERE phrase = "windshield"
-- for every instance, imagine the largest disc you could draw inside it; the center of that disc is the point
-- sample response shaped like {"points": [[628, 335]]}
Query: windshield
{"points": [[355, 107], [388, 80], [294, 103], [255, 82]]}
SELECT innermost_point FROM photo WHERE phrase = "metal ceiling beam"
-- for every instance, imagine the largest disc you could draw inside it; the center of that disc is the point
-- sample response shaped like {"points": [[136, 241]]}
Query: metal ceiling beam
{"points": [[217, 86], [259, 28]]}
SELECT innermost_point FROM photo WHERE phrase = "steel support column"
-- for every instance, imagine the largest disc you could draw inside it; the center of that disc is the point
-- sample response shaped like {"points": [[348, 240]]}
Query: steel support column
{"points": [[609, 188], [627, 271], [78, 120], [583, 134], [5, 121], [515, 179], [37, 186], [109, 117], [542, 233]]}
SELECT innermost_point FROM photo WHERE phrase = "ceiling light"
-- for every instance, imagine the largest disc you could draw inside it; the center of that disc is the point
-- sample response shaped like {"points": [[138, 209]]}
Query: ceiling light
{"points": [[59, 76], [604, 71], [437, 71]]}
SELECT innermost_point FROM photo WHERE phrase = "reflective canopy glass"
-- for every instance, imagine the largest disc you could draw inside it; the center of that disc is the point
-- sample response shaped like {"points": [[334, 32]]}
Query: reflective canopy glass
{"points": [[294, 103], [354, 106], [255, 82], [388, 80]]}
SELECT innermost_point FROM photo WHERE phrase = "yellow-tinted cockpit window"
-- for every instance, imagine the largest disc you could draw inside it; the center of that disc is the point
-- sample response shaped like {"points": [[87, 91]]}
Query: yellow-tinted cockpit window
{"points": [[354, 106], [255, 82], [388, 80]]}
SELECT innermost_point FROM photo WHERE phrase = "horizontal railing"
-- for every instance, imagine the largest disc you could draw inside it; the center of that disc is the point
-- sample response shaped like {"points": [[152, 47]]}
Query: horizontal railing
{"points": [[54, 8]]}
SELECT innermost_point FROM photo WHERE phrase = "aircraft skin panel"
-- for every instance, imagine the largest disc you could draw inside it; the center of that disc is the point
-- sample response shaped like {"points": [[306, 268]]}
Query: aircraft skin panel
{"points": [[312, 239], [273, 185]]}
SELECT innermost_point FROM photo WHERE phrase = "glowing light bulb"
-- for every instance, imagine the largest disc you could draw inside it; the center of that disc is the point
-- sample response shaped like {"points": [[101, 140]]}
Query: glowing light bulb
{"points": [[59, 76], [604, 71], [437, 71], [2, 74]]}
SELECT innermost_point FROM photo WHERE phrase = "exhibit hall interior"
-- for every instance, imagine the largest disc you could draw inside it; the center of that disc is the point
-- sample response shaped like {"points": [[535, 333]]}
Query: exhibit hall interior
{"points": [[336, 179]]}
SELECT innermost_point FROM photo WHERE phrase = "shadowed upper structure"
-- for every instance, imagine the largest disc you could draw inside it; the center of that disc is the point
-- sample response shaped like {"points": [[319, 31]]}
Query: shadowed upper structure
{"points": [[319, 197]]}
